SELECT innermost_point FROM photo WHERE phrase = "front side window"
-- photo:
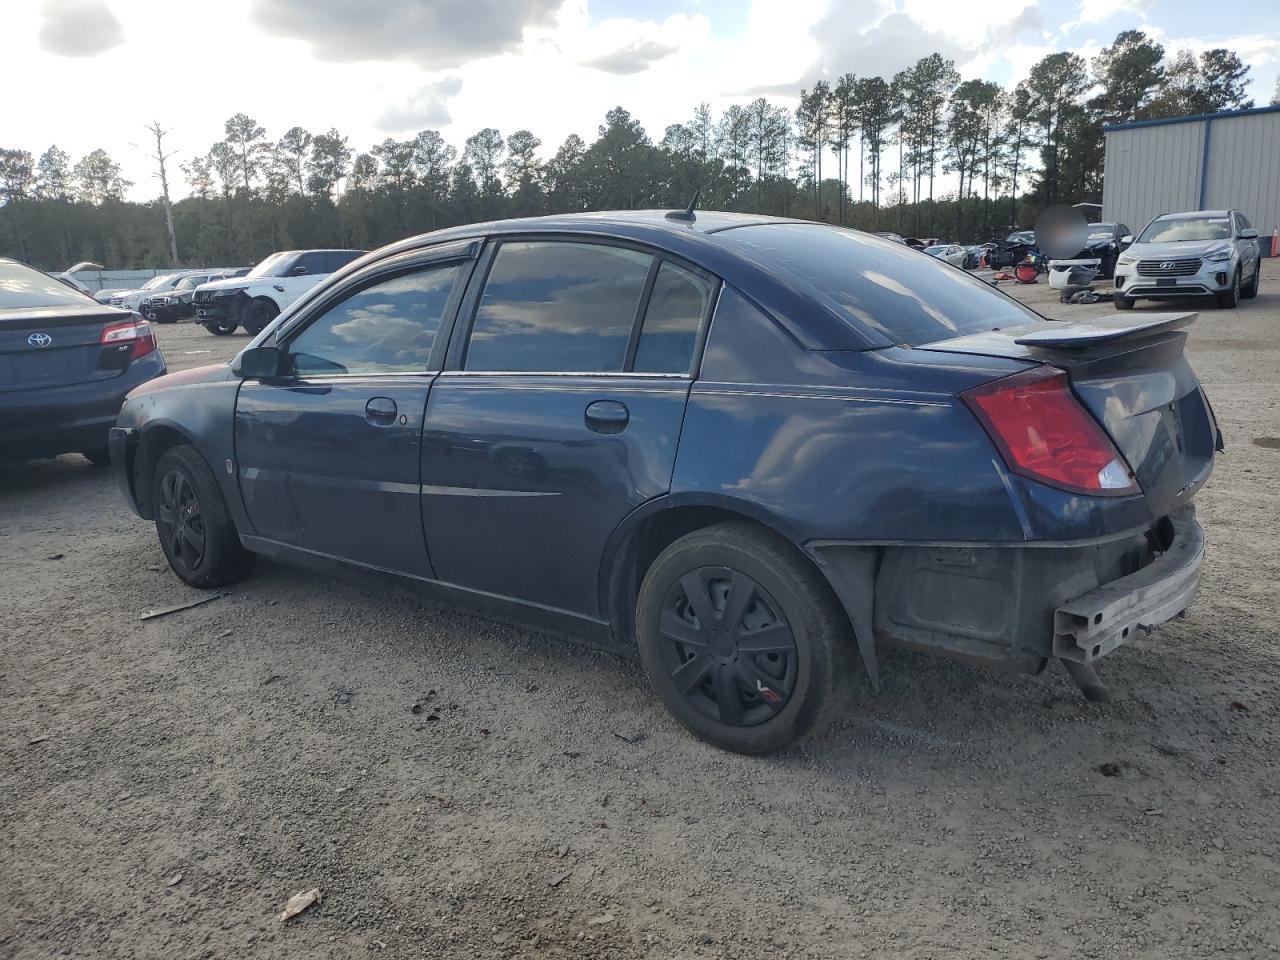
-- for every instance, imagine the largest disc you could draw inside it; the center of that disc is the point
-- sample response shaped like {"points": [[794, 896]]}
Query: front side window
{"points": [[309, 264], [669, 338], [1244, 221], [557, 307], [389, 327], [337, 259]]}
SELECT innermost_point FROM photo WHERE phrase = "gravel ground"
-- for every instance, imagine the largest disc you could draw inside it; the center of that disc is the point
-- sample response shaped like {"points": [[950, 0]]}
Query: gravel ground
{"points": [[460, 789]]}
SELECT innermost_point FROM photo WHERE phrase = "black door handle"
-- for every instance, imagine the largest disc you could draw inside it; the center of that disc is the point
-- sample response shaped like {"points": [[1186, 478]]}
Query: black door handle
{"points": [[380, 410], [607, 416]]}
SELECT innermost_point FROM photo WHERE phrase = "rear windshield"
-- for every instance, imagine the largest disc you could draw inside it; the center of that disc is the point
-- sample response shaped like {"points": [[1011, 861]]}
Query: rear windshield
{"points": [[21, 286], [909, 297], [1186, 228]]}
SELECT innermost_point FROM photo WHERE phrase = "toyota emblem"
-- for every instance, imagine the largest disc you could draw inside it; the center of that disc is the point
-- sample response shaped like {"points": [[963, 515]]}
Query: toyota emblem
{"points": [[39, 340], [1167, 265]]}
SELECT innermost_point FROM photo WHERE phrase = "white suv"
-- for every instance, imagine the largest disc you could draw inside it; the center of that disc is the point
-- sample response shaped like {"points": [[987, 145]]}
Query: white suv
{"points": [[254, 300], [1210, 253]]}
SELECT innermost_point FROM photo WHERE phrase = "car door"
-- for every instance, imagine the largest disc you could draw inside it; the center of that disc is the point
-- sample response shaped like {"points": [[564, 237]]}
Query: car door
{"points": [[328, 454], [560, 414]]}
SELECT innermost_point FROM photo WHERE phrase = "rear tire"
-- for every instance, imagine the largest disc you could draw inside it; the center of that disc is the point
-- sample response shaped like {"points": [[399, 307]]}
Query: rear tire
{"points": [[195, 529], [1229, 299], [768, 659], [1122, 302]]}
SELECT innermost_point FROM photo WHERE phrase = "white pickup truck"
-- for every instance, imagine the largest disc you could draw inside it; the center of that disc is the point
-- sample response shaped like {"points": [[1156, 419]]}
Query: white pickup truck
{"points": [[254, 300]]}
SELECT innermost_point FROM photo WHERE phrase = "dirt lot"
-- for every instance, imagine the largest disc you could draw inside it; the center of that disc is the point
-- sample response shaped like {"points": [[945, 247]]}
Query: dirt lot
{"points": [[168, 784]]}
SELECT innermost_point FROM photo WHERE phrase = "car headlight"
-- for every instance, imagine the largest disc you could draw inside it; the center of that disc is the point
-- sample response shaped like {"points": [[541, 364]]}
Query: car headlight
{"points": [[1125, 260], [228, 292], [1218, 255]]}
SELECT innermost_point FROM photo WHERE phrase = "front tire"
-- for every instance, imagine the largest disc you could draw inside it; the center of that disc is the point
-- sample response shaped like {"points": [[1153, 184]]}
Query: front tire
{"points": [[221, 328], [1122, 302], [1229, 299], [742, 640], [1251, 291], [257, 314], [195, 529]]}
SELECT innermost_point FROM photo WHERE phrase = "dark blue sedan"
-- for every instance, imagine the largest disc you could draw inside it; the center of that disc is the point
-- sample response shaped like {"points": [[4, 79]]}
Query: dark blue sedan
{"points": [[754, 450], [66, 364]]}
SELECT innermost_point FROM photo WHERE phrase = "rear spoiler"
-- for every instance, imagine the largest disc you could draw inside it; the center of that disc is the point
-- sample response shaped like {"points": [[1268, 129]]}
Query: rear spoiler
{"points": [[1080, 335]]}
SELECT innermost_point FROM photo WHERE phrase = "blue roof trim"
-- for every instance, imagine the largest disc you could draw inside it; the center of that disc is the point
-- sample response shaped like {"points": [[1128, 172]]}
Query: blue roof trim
{"points": [[1135, 124]]}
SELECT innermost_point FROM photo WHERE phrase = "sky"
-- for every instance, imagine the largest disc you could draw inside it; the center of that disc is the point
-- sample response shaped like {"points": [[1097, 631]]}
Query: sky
{"points": [[84, 74]]}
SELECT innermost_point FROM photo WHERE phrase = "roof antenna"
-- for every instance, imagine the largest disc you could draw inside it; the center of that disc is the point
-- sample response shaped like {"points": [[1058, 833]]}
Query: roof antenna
{"points": [[687, 213]]}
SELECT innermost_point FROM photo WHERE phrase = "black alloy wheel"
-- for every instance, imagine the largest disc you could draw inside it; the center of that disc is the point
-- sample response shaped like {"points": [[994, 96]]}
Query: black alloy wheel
{"points": [[728, 647], [180, 522]]}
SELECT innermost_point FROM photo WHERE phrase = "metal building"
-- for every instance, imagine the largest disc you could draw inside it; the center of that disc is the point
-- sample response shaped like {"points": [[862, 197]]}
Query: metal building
{"points": [[1210, 161]]}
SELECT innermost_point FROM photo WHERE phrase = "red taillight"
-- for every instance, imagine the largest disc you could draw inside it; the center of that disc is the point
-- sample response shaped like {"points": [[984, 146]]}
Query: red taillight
{"points": [[1043, 432], [135, 332]]}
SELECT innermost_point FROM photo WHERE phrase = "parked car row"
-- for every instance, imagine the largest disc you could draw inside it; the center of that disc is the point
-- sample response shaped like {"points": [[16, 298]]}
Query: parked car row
{"points": [[176, 302]]}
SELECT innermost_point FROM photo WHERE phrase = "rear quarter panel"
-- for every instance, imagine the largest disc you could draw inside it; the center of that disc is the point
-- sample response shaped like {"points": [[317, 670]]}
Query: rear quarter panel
{"points": [[840, 445]]}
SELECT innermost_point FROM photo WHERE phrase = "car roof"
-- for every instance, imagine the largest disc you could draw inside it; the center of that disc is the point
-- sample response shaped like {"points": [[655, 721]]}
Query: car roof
{"points": [[816, 326]]}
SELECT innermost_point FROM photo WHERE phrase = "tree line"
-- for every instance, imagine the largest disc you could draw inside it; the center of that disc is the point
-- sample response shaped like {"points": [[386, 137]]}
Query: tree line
{"points": [[863, 151]]}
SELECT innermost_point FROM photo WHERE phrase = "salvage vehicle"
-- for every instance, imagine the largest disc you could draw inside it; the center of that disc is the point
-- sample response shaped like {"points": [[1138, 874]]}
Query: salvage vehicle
{"points": [[174, 305], [951, 253], [1207, 253], [255, 299], [66, 363], [750, 449], [1104, 243]]}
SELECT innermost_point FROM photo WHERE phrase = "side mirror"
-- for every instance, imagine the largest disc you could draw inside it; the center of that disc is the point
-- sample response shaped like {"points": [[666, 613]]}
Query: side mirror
{"points": [[259, 363], [1249, 234], [299, 272]]}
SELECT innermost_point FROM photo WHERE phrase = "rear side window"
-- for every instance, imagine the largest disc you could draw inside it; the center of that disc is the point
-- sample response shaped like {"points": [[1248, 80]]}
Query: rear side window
{"points": [[557, 307], [389, 327], [907, 296], [21, 286], [669, 337]]}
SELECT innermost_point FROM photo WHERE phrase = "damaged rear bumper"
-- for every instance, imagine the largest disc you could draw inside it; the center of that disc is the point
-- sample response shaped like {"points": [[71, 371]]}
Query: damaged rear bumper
{"points": [[1095, 623], [1017, 604]]}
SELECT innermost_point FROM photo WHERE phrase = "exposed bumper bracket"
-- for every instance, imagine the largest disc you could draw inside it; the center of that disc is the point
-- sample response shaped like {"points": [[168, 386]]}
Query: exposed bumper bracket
{"points": [[1095, 623]]}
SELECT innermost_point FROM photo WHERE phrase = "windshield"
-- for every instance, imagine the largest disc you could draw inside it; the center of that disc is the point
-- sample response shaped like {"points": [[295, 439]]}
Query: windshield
{"points": [[21, 286], [186, 283], [156, 283], [1186, 228], [273, 266], [880, 284]]}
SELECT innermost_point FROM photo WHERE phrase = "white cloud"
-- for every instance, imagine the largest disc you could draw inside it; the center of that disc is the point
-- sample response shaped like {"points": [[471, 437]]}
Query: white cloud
{"points": [[425, 108], [78, 28]]}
